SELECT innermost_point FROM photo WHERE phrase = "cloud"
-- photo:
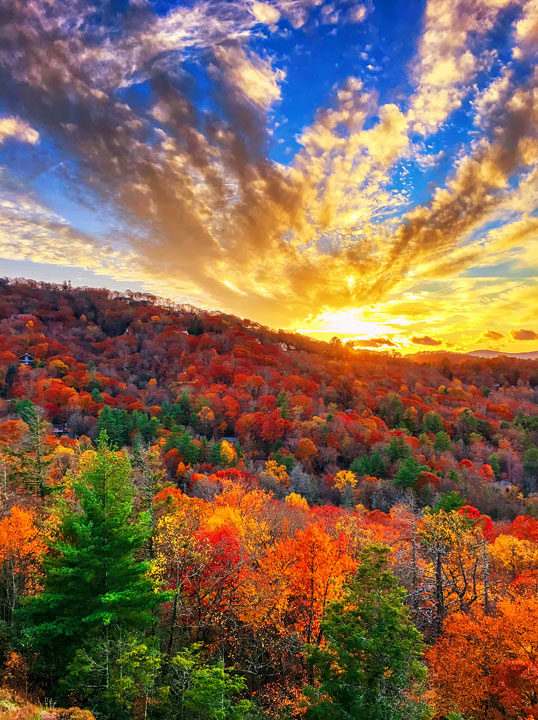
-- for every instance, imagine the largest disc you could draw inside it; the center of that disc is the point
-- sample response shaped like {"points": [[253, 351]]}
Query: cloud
{"points": [[356, 14], [375, 343], [492, 98], [425, 340], [250, 75], [31, 231], [492, 335], [265, 12], [524, 334], [14, 127], [471, 196], [447, 61], [526, 31]]}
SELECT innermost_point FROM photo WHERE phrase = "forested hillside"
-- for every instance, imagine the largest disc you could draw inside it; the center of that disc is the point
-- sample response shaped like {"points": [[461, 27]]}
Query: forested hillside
{"points": [[204, 518]]}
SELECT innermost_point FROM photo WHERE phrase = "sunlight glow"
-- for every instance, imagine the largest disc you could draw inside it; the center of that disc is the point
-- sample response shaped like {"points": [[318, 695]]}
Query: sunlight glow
{"points": [[344, 322]]}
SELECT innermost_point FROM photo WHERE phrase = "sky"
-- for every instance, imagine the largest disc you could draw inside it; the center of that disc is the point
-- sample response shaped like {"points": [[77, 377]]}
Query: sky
{"points": [[360, 169]]}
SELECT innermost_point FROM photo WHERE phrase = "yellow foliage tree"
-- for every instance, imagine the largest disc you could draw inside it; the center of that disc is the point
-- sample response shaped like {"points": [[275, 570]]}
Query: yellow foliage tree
{"points": [[345, 479], [228, 453], [296, 500], [276, 473], [514, 555], [453, 542]]}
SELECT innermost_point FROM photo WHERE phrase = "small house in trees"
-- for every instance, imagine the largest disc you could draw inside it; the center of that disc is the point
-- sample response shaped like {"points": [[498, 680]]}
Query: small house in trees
{"points": [[26, 359], [231, 440], [59, 431]]}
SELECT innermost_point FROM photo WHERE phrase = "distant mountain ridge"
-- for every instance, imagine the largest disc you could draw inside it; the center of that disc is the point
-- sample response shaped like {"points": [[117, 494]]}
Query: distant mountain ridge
{"points": [[533, 355]]}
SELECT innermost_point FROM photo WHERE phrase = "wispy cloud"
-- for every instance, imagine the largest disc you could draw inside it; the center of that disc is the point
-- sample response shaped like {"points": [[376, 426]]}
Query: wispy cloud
{"points": [[15, 128]]}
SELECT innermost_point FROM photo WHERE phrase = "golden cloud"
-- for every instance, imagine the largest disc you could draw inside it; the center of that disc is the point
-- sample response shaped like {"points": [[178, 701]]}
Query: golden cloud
{"points": [[14, 127], [426, 340], [524, 334]]}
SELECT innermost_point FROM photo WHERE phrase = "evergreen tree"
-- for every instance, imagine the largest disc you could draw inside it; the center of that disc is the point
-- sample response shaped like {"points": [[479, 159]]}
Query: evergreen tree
{"points": [[215, 455], [495, 464], [151, 479], [200, 691], [442, 442], [114, 423], [408, 473], [530, 462], [177, 413], [194, 420], [448, 502], [432, 423], [184, 443], [35, 462], [369, 465], [96, 395], [195, 326], [392, 411], [282, 402], [283, 459], [188, 449], [115, 674], [121, 425], [369, 667], [398, 449], [184, 408], [377, 466], [95, 590]]}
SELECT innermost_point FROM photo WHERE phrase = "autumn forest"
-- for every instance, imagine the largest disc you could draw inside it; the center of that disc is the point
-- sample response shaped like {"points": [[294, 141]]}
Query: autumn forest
{"points": [[202, 518]]}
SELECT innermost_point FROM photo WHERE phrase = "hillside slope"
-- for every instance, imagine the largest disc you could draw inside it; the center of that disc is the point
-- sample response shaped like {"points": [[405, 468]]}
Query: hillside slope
{"points": [[143, 369]]}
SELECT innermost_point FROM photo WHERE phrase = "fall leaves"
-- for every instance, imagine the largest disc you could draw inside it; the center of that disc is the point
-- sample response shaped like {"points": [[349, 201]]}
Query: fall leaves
{"points": [[261, 474], [486, 666], [21, 548]]}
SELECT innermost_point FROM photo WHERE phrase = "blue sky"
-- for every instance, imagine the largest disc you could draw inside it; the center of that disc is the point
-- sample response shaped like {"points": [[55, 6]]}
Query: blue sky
{"points": [[366, 169]]}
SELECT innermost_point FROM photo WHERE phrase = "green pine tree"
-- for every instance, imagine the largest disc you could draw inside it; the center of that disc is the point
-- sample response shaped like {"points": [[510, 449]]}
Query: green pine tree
{"points": [[95, 588], [369, 465], [34, 463], [215, 455], [201, 691], [187, 448], [115, 674], [432, 423], [283, 403], [194, 420], [398, 449], [184, 408], [495, 464], [530, 461], [442, 442], [115, 423], [408, 473], [369, 667], [448, 502]]}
